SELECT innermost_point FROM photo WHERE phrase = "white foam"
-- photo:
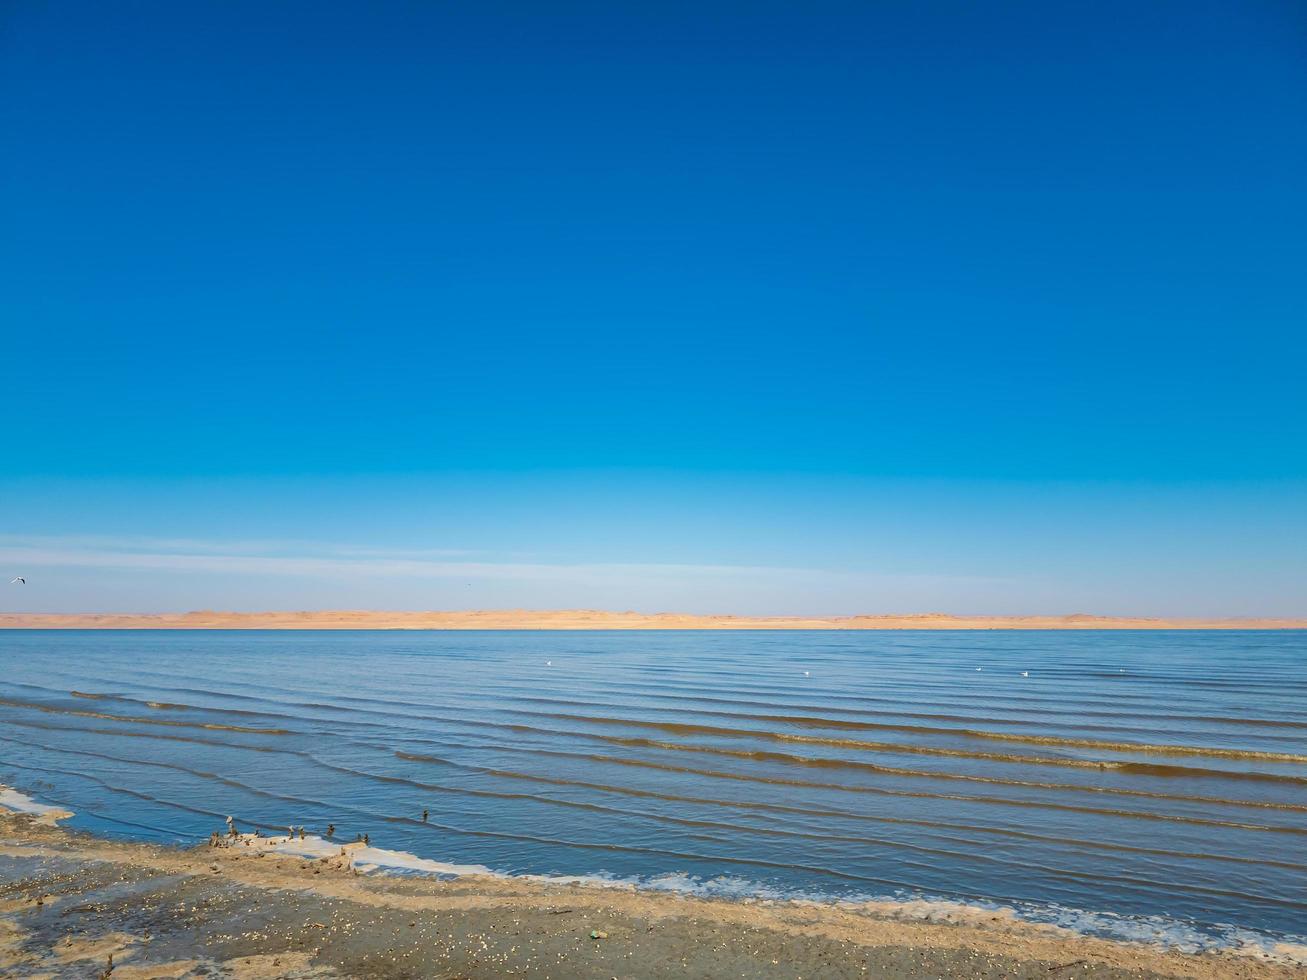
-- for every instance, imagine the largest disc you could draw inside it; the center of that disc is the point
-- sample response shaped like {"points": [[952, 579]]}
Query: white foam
{"points": [[16, 802], [374, 858], [361, 857], [1165, 932], [944, 910], [1156, 931]]}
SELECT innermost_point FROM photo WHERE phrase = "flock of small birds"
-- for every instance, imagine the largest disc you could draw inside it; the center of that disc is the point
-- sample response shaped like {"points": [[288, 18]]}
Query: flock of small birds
{"points": [[293, 832]]}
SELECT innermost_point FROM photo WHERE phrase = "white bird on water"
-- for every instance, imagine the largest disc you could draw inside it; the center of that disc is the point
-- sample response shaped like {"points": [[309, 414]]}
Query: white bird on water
{"points": [[806, 674], [18, 580], [1025, 673], [549, 663]]}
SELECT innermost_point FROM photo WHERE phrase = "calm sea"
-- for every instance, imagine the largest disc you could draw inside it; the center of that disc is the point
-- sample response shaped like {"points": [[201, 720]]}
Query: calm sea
{"points": [[1140, 784]]}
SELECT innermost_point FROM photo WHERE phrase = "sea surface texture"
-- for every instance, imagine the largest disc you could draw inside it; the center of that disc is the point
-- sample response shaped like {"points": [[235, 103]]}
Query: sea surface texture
{"points": [[1148, 785]]}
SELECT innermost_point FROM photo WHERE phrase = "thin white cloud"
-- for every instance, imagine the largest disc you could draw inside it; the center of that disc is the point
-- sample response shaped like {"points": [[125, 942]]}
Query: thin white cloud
{"points": [[140, 574], [335, 561], [193, 546]]}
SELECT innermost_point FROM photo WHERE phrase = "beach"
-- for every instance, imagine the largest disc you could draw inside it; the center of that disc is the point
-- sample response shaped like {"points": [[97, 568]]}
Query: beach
{"points": [[77, 906], [597, 619]]}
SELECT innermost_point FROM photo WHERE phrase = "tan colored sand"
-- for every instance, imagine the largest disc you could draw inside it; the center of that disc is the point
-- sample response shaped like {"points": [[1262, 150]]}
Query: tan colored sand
{"points": [[173, 970], [590, 619], [71, 949], [281, 966], [11, 937]]}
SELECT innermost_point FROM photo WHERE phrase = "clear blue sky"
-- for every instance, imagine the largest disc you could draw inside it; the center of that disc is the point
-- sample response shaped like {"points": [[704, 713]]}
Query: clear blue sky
{"points": [[814, 307]]}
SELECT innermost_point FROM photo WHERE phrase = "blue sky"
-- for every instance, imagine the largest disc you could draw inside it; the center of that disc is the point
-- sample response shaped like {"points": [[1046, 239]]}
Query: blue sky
{"points": [[759, 308]]}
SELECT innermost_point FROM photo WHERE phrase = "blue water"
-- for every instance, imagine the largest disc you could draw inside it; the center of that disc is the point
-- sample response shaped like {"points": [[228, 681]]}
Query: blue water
{"points": [[1135, 783]]}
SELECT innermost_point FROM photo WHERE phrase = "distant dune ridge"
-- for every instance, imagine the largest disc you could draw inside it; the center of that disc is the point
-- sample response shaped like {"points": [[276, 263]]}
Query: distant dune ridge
{"points": [[579, 619]]}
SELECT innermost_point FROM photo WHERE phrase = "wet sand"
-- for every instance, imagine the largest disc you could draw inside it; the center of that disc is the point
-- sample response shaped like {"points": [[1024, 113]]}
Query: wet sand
{"points": [[582, 619], [69, 902]]}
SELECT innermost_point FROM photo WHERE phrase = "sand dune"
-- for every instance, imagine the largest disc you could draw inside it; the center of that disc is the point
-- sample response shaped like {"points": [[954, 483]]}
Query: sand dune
{"points": [[573, 619]]}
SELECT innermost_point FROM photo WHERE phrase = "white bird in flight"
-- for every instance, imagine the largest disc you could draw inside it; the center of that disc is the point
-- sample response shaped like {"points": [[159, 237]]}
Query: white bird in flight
{"points": [[18, 580]]}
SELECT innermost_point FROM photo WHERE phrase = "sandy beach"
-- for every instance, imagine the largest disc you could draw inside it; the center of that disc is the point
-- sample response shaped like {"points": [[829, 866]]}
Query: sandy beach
{"points": [[77, 906], [593, 619]]}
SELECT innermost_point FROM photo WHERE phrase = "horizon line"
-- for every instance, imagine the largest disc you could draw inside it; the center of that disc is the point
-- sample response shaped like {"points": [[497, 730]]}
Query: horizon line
{"points": [[598, 619]]}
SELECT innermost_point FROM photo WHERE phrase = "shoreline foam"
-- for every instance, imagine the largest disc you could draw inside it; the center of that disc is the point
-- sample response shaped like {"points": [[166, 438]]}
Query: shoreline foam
{"points": [[12, 801]]}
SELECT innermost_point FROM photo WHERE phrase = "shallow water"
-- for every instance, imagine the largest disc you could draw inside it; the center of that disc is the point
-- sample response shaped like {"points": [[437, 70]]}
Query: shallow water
{"points": [[1139, 784]]}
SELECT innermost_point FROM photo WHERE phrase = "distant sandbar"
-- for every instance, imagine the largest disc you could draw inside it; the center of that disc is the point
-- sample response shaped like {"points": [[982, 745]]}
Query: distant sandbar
{"points": [[590, 619]]}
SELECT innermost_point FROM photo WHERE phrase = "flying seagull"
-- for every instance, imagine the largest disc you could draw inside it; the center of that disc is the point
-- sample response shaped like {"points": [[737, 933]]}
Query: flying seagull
{"points": [[19, 580]]}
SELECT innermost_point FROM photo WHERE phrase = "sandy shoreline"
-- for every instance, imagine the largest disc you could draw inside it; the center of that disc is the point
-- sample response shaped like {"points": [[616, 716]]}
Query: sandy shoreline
{"points": [[582, 619], [242, 909]]}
